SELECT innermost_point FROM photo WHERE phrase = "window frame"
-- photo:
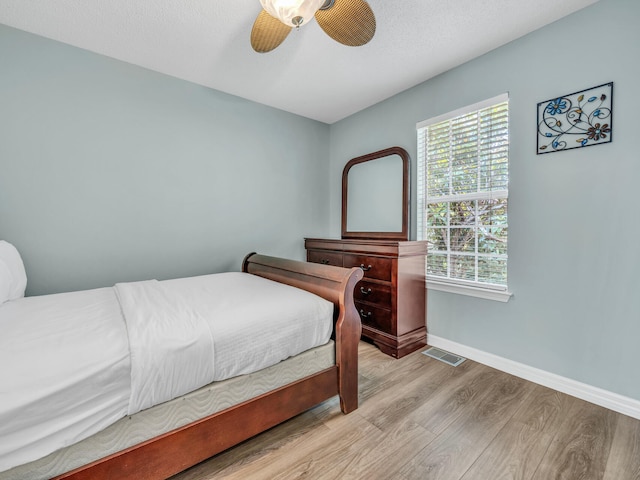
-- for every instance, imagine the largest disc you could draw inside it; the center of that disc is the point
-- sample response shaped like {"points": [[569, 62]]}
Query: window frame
{"points": [[473, 288]]}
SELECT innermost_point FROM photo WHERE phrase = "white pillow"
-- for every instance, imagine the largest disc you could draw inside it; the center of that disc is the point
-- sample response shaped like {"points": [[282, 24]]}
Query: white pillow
{"points": [[13, 278]]}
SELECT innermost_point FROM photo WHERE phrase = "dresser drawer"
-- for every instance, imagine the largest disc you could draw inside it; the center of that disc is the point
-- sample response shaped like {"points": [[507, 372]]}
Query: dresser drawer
{"points": [[391, 298], [374, 267], [376, 317], [373, 293], [325, 258]]}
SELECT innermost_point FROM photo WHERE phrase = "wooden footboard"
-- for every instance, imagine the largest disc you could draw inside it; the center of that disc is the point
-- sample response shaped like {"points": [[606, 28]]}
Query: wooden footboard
{"points": [[177, 450], [335, 284]]}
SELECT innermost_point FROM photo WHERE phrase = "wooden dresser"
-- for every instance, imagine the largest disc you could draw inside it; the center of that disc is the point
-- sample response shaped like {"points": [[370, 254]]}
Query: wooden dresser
{"points": [[391, 298]]}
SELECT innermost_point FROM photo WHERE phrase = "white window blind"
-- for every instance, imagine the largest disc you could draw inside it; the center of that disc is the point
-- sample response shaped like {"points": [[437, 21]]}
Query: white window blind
{"points": [[463, 182]]}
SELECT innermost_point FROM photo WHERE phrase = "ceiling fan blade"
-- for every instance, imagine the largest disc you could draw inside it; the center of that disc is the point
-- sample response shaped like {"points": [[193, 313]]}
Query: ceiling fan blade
{"points": [[350, 22], [267, 33]]}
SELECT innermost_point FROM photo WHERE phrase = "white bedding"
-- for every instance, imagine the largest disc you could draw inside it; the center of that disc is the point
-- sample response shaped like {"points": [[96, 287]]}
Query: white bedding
{"points": [[73, 363]]}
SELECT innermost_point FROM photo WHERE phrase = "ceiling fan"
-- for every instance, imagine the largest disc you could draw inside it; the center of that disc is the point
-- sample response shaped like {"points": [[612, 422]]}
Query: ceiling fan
{"points": [[350, 22]]}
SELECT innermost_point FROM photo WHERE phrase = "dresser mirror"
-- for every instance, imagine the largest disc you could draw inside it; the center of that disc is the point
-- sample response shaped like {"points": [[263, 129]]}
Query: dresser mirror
{"points": [[375, 196]]}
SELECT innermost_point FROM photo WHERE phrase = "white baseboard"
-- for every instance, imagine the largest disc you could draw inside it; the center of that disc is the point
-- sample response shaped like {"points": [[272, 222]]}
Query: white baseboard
{"points": [[604, 398]]}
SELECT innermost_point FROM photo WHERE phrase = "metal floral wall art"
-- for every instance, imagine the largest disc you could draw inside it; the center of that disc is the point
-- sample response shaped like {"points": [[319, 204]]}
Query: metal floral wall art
{"points": [[581, 119]]}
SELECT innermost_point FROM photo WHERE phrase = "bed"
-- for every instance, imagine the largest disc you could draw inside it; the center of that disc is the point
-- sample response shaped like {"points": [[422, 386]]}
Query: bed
{"points": [[171, 420]]}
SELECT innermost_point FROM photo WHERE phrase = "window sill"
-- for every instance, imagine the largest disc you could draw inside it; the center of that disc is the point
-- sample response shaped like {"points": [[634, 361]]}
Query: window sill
{"points": [[487, 294]]}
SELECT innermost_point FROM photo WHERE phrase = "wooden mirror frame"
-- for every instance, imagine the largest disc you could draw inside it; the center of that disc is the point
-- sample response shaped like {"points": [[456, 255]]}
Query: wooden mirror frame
{"points": [[406, 197]]}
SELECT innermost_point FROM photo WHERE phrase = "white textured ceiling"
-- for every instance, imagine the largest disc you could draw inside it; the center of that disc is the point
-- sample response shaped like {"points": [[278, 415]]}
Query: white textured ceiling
{"points": [[207, 42]]}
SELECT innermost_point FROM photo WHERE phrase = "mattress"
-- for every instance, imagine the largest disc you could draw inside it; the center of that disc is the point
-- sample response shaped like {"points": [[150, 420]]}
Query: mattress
{"points": [[64, 371], [176, 413], [81, 361]]}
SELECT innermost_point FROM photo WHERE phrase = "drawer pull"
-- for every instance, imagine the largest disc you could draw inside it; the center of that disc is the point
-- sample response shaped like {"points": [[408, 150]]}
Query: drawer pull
{"points": [[324, 261], [365, 292], [366, 269], [365, 315]]}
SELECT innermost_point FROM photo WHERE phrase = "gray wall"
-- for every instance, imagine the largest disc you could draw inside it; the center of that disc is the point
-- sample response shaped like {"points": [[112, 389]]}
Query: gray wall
{"points": [[110, 172], [574, 263]]}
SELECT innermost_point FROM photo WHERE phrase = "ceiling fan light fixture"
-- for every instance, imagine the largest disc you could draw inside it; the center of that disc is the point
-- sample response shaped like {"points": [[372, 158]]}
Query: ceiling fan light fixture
{"points": [[292, 13]]}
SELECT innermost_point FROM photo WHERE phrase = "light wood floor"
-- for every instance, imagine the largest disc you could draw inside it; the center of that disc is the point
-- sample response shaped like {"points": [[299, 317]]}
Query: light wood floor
{"points": [[422, 419]]}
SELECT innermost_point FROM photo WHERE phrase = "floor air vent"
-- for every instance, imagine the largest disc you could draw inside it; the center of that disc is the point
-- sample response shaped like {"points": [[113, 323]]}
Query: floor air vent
{"points": [[446, 357]]}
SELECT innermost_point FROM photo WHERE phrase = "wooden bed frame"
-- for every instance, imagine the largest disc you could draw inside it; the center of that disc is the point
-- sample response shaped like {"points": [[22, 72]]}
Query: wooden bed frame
{"points": [[184, 447]]}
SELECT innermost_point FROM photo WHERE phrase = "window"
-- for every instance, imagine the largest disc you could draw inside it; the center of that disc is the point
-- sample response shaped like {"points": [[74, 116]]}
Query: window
{"points": [[463, 176]]}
